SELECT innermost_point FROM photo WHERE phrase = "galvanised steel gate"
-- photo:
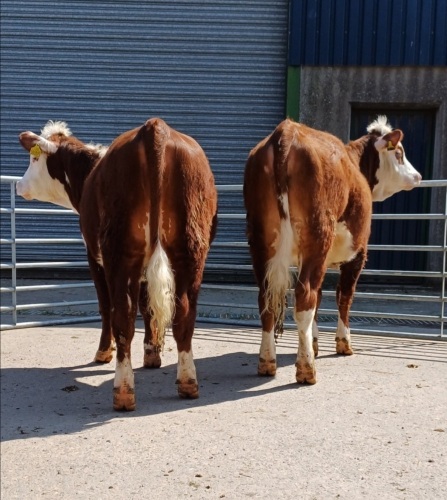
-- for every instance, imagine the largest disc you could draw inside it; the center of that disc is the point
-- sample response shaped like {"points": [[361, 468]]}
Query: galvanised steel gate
{"points": [[398, 310]]}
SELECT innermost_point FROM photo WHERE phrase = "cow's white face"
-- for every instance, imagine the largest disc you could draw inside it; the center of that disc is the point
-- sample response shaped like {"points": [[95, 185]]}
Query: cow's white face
{"points": [[395, 172], [37, 183]]}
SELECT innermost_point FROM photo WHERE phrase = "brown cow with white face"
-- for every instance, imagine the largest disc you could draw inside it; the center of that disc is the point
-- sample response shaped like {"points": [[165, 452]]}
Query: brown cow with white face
{"points": [[148, 212], [309, 200]]}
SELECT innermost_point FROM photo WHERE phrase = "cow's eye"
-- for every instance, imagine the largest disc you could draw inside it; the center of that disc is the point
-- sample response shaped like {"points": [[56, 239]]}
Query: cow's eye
{"points": [[399, 156]]}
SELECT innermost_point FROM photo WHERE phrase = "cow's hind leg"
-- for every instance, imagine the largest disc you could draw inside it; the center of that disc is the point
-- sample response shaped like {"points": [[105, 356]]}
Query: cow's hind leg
{"points": [[124, 289], [306, 300], [182, 329], [272, 275], [152, 358], [188, 274], [349, 275], [106, 342], [315, 330], [267, 352]]}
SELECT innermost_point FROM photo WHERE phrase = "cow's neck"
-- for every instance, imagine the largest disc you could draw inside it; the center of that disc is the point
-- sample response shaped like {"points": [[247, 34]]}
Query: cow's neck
{"points": [[364, 154], [72, 168]]}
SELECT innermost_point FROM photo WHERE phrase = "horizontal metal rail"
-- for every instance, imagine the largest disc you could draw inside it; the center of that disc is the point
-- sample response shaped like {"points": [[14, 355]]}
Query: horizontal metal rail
{"points": [[438, 299]]}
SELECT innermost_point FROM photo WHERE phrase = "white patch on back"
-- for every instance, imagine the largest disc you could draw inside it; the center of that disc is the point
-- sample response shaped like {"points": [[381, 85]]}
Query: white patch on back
{"points": [[342, 249], [99, 148]]}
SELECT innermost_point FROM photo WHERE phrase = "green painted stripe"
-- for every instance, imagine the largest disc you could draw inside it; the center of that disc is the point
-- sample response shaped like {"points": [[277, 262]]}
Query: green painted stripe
{"points": [[293, 92]]}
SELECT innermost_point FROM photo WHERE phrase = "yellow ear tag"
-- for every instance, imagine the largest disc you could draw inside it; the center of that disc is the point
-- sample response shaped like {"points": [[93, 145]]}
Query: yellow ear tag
{"points": [[35, 151], [390, 146]]}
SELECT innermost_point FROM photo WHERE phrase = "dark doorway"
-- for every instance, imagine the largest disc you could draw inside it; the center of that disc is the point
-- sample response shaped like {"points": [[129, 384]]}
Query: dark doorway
{"points": [[418, 127]]}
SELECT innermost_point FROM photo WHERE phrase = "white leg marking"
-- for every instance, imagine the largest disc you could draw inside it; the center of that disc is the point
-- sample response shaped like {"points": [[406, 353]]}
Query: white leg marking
{"points": [[124, 374], [186, 370], [305, 359], [268, 348], [304, 320], [343, 332]]}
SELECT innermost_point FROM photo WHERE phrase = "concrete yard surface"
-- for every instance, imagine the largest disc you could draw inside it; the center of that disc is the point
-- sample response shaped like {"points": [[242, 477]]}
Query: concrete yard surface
{"points": [[374, 426]]}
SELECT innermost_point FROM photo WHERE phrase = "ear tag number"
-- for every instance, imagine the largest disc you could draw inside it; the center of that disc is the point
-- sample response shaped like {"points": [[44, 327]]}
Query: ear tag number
{"points": [[35, 151]]}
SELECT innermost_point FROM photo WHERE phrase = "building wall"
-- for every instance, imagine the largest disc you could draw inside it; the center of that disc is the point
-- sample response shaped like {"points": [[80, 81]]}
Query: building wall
{"points": [[327, 96]]}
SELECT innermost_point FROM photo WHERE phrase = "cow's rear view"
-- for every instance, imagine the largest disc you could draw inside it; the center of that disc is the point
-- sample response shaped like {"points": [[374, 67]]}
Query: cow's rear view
{"points": [[309, 200], [147, 212]]}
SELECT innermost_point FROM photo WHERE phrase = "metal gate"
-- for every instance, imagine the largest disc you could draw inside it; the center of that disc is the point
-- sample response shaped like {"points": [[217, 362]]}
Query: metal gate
{"points": [[417, 311]]}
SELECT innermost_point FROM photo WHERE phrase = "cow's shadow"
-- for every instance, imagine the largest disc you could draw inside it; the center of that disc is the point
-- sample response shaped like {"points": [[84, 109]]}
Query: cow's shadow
{"points": [[38, 402]]}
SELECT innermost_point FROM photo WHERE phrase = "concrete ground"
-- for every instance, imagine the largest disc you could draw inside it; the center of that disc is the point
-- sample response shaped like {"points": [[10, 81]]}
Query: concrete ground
{"points": [[374, 426]]}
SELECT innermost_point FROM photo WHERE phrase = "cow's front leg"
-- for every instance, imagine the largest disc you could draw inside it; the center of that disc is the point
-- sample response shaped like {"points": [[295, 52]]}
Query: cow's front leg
{"points": [[305, 359], [349, 274], [152, 358]]}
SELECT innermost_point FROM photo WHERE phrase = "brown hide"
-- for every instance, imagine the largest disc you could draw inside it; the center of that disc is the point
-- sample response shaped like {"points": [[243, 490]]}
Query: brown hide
{"points": [[323, 184], [148, 214], [308, 205]]}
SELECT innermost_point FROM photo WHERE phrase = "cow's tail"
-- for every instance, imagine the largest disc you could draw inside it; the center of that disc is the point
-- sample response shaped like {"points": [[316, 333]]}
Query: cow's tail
{"points": [[161, 290], [278, 274], [159, 275]]}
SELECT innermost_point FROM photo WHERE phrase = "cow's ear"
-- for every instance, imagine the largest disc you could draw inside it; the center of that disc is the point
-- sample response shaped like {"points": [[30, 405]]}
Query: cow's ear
{"points": [[30, 140], [390, 140]]}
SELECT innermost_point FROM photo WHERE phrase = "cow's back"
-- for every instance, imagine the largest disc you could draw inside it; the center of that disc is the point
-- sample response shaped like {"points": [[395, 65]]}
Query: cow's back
{"points": [[305, 175], [188, 195], [156, 185]]}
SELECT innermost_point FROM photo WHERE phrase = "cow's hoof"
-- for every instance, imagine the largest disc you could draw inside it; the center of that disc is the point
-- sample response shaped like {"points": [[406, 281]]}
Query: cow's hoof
{"points": [[104, 356], [305, 373], [188, 390], [315, 346], [123, 399], [152, 360], [343, 346], [267, 368]]}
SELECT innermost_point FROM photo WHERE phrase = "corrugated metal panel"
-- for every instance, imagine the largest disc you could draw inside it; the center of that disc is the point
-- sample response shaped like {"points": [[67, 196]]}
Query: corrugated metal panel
{"points": [[368, 32], [212, 69]]}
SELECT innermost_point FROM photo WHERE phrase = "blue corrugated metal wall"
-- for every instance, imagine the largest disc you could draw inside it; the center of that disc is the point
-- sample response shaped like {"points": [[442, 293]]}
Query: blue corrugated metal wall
{"points": [[368, 32], [213, 69]]}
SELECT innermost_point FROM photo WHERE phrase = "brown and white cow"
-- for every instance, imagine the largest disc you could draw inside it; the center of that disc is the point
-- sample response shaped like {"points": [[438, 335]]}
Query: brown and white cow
{"points": [[309, 200], [148, 212]]}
